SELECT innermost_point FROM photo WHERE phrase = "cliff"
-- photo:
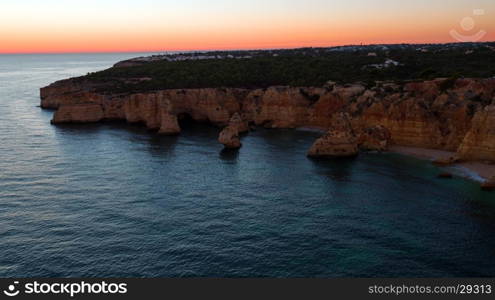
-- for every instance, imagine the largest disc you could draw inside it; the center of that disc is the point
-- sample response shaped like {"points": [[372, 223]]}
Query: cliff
{"points": [[445, 114]]}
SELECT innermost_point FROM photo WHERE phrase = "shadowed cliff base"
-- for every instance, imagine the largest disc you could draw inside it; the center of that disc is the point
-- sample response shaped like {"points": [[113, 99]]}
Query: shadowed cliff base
{"points": [[185, 121]]}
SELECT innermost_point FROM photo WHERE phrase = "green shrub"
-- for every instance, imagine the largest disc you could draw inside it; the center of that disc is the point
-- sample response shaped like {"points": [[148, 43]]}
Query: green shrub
{"points": [[299, 67]]}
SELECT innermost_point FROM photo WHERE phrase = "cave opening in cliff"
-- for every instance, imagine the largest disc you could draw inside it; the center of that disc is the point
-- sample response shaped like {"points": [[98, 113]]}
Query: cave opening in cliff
{"points": [[185, 120]]}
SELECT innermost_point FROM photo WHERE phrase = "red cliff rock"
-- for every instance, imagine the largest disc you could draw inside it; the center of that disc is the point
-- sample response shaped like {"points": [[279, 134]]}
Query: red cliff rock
{"points": [[229, 137], [452, 115], [78, 113], [339, 141], [375, 138], [237, 122], [479, 142], [169, 124]]}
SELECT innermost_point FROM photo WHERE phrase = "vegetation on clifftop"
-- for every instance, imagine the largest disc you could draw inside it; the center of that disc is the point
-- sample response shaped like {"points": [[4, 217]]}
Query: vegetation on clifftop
{"points": [[302, 67]]}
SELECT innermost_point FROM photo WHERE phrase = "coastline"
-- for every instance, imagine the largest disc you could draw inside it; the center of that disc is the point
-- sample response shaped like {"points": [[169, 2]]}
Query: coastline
{"points": [[474, 170]]}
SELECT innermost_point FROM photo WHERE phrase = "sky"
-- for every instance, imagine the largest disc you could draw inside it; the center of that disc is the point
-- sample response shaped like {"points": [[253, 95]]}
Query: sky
{"points": [[59, 26]]}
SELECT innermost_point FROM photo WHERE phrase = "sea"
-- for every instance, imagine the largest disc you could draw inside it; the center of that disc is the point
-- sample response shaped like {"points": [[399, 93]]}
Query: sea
{"points": [[116, 200]]}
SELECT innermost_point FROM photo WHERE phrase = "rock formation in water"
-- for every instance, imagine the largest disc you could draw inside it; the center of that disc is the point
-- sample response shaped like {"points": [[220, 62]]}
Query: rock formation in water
{"points": [[339, 141], [444, 114], [229, 136], [169, 124], [239, 124]]}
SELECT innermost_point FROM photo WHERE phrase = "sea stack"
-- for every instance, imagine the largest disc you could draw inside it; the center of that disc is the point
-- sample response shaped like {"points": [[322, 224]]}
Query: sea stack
{"points": [[339, 141], [229, 137], [169, 125]]}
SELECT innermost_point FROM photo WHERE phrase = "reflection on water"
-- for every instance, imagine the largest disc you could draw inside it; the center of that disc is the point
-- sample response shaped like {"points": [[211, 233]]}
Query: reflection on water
{"points": [[115, 199], [338, 169], [229, 155]]}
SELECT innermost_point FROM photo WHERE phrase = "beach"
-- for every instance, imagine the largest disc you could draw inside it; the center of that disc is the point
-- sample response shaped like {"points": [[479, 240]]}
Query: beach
{"points": [[478, 171]]}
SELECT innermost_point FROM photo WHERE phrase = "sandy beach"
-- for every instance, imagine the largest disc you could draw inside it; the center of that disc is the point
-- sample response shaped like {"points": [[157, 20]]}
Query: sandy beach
{"points": [[478, 171]]}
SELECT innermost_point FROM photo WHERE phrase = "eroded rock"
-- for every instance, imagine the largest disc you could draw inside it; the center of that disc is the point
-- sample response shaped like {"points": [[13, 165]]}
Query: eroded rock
{"points": [[229, 137], [169, 125], [339, 141], [479, 142], [237, 122], [78, 113], [375, 138], [455, 117]]}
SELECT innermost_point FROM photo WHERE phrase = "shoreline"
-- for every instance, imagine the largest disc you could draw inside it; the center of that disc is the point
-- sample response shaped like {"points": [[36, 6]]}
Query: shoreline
{"points": [[475, 170]]}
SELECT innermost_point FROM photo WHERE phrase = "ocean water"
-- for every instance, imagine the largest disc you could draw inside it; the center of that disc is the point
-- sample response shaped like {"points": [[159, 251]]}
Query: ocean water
{"points": [[116, 200]]}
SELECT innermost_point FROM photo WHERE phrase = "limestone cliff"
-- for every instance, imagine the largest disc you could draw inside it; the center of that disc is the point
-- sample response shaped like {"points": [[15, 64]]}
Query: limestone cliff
{"points": [[339, 141], [229, 136], [444, 114], [479, 142]]}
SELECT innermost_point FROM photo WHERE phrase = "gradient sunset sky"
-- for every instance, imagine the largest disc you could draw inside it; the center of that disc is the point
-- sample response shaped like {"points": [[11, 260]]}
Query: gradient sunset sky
{"points": [[36, 26]]}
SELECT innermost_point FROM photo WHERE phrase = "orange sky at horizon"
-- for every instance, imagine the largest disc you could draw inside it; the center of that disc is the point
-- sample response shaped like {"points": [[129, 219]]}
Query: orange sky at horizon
{"points": [[152, 27]]}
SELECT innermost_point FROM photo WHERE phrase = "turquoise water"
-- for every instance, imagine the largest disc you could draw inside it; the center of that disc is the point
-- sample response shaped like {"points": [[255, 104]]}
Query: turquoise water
{"points": [[117, 200]]}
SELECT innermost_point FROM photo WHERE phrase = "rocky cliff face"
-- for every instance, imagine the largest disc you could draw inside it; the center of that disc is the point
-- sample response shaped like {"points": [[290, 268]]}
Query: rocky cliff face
{"points": [[339, 141], [479, 142], [229, 136], [453, 115]]}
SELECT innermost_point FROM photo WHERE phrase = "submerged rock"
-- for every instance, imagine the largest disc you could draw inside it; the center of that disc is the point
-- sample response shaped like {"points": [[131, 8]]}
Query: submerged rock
{"points": [[339, 141], [489, 185], [445, 175]]}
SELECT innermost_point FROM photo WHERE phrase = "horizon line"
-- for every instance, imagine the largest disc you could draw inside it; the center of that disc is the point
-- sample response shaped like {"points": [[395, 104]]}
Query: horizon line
{"points": [[235, 49]]}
